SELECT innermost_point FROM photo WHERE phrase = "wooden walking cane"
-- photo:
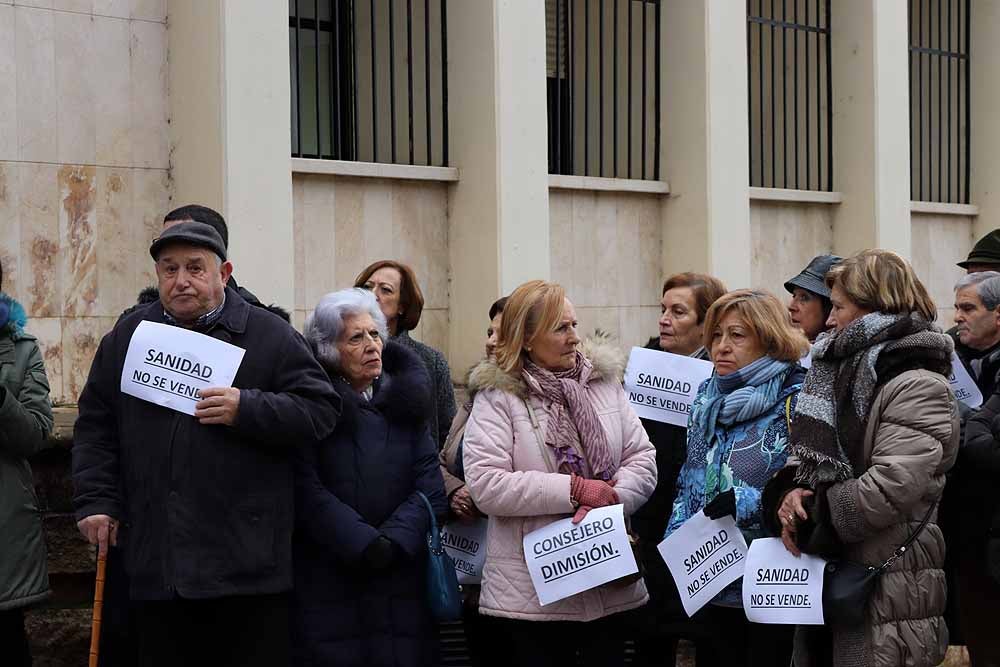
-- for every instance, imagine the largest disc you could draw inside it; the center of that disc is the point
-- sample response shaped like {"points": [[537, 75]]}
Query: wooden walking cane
{"points": [[95, 627]]}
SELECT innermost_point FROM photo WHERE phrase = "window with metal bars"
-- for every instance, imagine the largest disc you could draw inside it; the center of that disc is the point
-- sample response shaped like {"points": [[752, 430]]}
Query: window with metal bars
{"points": [[939, 100], [603, 77], [369, 80], [790, 93]]}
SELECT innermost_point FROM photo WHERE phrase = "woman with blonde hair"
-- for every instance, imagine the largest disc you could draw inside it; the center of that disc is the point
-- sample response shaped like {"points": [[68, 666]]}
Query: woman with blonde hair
{"points": [[873, 435], [737, 439], [552, 435]]}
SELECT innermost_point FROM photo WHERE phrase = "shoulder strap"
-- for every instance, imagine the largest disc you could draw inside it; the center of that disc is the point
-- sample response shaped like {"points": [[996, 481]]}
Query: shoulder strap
{"points": [[536, 427], [788, 413], [898, 553]]}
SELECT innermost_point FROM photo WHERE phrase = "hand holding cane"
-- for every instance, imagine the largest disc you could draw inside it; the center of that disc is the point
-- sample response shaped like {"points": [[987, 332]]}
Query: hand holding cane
{"points": [[95, 627]]}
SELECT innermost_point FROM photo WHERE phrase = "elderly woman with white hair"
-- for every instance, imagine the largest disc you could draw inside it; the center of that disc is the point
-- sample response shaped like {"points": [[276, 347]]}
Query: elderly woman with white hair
{"points": [[360, 539]]}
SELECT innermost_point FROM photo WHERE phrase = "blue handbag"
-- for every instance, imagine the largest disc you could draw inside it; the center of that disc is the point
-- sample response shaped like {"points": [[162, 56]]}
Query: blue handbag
{"points": [[444, 596]]}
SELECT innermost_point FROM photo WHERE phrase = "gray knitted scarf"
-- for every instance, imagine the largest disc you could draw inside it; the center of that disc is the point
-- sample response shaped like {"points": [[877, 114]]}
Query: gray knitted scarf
{"points": [[832, 411]]}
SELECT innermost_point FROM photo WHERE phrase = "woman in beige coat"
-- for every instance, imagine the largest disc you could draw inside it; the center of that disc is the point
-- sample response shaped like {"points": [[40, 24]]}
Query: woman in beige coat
{"points": [[551, 435], [874, 432]]}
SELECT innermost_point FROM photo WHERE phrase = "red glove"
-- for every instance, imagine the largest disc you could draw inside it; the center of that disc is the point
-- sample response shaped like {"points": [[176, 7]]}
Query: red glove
{"points": [[590, 493]]}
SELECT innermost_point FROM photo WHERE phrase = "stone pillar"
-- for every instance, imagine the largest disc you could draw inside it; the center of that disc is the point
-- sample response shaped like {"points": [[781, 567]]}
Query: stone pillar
{"points": [[499, 208], [870, 133], [231, 130], [705, 147], [984, 44]]}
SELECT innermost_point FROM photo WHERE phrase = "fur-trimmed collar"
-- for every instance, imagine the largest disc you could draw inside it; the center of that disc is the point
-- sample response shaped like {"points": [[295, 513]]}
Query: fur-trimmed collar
{"points": [[606, 359], [402, 393]]}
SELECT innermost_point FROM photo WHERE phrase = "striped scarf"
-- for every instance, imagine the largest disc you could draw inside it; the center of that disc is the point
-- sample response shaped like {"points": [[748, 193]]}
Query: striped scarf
{"points": [[831, 415], [573, 425]]}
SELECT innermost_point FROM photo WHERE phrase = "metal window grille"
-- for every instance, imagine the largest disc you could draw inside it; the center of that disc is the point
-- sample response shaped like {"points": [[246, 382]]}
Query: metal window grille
{"points": [[369, 80], [790, 93], [603, 77], [939, 100]]}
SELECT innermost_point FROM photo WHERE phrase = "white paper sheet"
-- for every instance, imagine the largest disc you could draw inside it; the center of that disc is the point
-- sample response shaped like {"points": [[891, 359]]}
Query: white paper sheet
{"points": [[169, 366], [564, 559], [963, 385], [465, 542], [780, 588], [704, 556], [661, 385]]}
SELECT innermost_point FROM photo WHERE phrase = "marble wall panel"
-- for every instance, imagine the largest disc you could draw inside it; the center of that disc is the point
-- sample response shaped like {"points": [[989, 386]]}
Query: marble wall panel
{"points": [[113, 84], [81, 336], [38, 213], [605, 248], [78, 6], [45, 4], [938, 241], [37, 96], [149, 10], [8, 84], [10, 230], [76, 82], [149, 129], [151, 191], [48, 331], [78, 239], [120, 9], [343, 224], [784, 237], [116, 241]]}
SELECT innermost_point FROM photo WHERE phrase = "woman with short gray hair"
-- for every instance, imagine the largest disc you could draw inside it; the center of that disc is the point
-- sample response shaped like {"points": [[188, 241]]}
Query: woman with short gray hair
{"points": [[360, 539]]}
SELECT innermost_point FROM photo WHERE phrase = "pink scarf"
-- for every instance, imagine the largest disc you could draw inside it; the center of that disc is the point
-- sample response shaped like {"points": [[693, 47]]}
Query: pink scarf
{"points": [[573, 424]]}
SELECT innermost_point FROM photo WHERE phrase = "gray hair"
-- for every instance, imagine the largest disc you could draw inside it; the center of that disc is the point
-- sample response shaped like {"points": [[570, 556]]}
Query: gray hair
{"points": [[326, 324], [987, 284]]}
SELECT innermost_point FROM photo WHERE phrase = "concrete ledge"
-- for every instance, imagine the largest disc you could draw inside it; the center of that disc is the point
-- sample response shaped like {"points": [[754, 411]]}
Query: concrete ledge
{"points": [[796, 196], [939, 208], [373, 170], [563, 182]]}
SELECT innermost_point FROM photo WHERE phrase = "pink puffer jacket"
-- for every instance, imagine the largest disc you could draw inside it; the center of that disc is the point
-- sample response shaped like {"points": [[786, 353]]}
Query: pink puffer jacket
{"points": [[510, 482]]}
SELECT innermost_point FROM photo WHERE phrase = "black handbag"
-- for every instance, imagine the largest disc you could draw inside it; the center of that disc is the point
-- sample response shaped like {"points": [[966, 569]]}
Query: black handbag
{"points": [[847, 585]]}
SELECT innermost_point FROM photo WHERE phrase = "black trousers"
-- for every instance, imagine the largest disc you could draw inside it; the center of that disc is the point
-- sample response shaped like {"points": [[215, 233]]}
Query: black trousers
{"points": [[248, 631], [978, 602], [599, 643], [740, 643], [13, 639]]}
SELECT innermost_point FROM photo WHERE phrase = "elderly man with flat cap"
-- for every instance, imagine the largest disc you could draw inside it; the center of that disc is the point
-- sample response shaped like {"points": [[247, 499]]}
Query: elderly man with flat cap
{"points": [[202, 505]]}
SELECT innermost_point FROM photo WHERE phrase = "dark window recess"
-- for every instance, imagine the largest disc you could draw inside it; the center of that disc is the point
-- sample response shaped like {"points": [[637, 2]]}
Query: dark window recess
{"points": [[603, 84], [939, 100], [790, 92], [369, 80]]}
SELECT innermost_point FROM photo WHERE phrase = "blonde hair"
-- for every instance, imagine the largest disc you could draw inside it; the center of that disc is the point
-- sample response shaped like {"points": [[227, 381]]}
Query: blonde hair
{"points": [[764, 315], [533, 308], [882, 281]]}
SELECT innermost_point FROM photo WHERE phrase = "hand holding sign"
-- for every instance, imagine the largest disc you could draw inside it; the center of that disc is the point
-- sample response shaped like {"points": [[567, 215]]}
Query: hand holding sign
{"points": [[183, 370], [218, 405]]}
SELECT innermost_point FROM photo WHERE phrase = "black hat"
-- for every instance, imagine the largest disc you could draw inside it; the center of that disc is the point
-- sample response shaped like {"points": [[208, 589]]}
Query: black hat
{"points": [[986, 250], [812, 278], [190, 233]]}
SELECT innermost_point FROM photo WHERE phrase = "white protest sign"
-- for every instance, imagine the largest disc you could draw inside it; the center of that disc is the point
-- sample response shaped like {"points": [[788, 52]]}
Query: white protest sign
{"points": [[465, 542], [704, 556], [170, 366], [963, 385], [661, 385], [780, 588], [564, 559]]}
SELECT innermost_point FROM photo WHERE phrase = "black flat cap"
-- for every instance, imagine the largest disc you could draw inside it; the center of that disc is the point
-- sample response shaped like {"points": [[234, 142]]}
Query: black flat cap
{"points": [[190, 233], [986, 251], [812, 277]]}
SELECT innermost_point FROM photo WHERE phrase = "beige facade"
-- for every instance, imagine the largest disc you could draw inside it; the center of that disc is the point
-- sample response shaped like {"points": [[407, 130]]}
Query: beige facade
{"points": [[84, 167], [113, 111]]}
